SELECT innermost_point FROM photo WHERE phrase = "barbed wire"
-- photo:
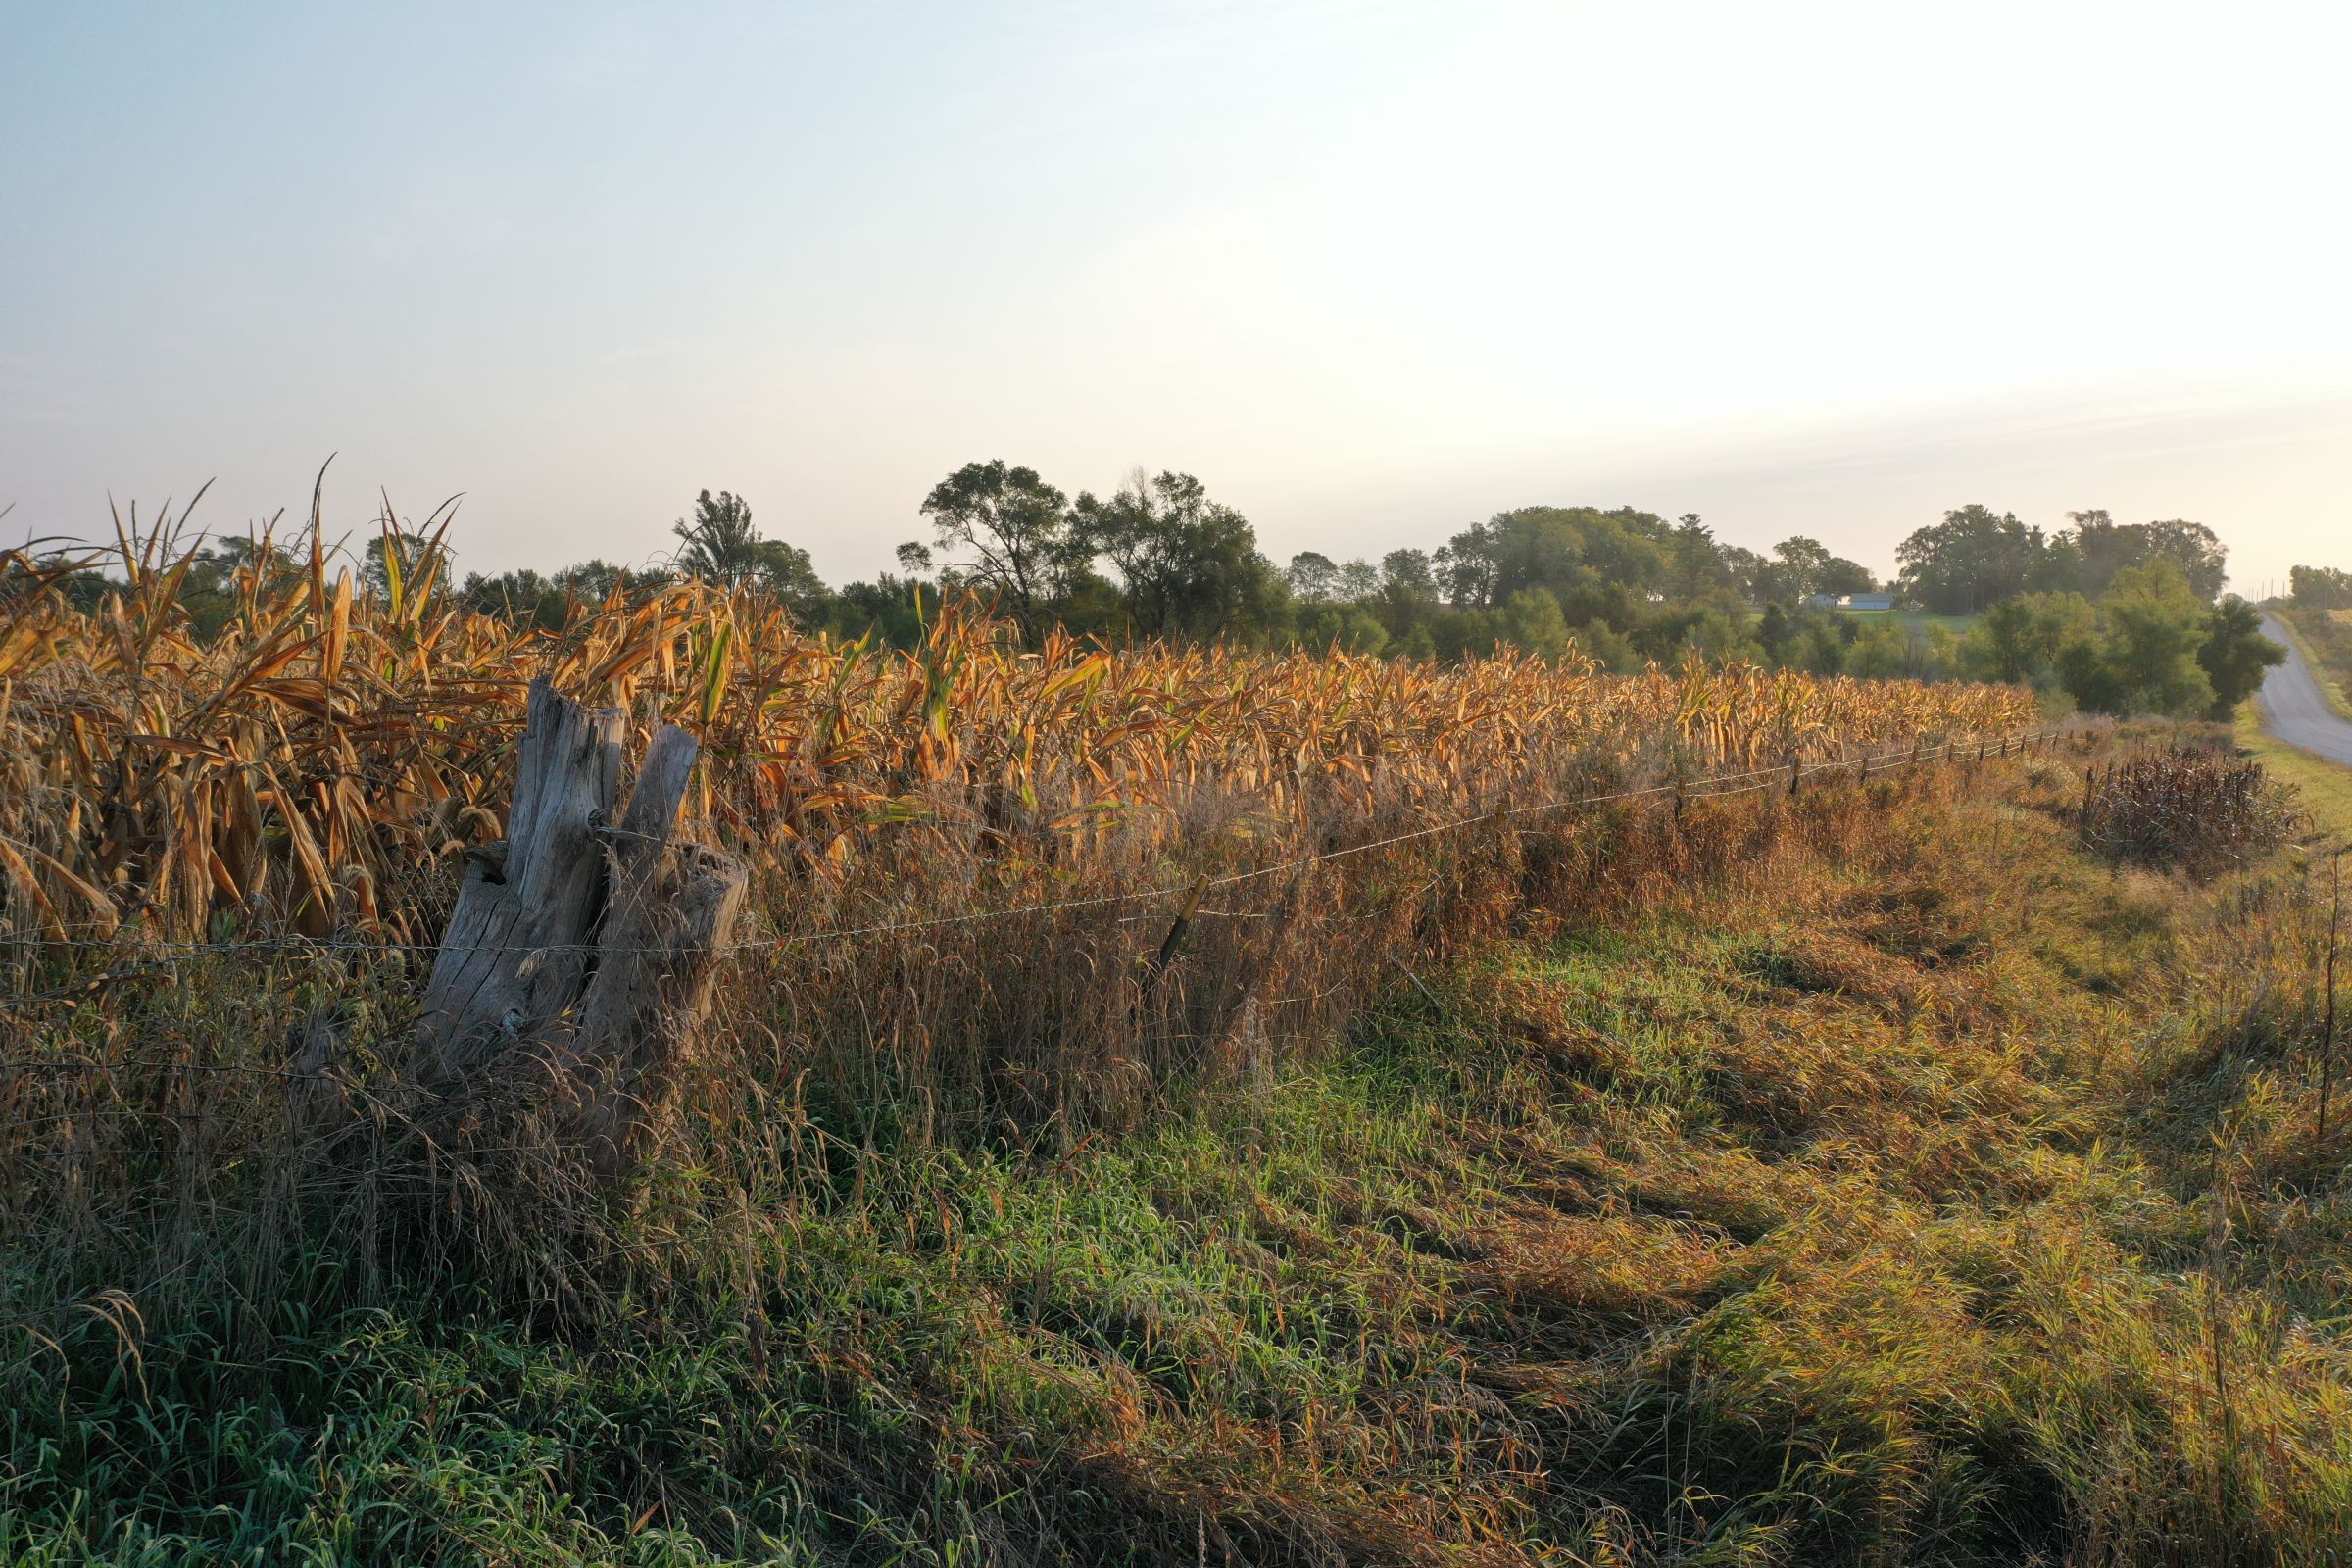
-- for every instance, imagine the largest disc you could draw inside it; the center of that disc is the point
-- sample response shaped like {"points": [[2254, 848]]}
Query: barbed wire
{"points": [[1686, 790]]}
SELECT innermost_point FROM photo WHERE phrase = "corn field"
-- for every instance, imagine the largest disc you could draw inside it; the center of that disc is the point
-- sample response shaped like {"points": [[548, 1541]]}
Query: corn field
{"points": [[308, 769], [225, 862]]}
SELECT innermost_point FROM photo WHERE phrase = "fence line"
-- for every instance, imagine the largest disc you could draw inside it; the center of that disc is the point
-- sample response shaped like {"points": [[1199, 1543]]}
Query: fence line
{"points": [[1703, 789]]}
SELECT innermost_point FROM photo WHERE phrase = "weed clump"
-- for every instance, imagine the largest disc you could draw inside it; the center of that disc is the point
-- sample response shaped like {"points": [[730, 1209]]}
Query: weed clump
{"points": [[2188, 808]]}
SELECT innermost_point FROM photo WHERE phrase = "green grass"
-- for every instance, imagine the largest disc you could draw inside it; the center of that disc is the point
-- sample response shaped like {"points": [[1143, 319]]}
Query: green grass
{"points": [[1916, 619], [1909, 620], [1937, 1196]]}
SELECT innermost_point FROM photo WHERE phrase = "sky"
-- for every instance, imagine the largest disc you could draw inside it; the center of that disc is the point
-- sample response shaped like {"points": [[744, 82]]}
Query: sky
{"points": [[1372, 270]]}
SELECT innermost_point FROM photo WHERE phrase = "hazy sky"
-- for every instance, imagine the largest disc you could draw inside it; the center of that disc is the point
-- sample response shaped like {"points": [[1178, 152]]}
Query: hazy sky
{"points": [[1371, 270]]}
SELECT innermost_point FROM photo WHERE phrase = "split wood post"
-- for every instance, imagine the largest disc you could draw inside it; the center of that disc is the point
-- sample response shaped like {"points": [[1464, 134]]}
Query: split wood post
{"points": [[516, 952], [1175, 937], [2335, 927], [594, 943]]}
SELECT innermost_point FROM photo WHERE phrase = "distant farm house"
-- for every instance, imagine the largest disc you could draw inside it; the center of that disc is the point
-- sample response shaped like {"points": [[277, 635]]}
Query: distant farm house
{"points": [[1850, 601]]}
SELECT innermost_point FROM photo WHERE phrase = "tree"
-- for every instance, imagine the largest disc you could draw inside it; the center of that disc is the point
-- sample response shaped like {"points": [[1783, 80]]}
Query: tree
{"points": [[1536, 625], [2320, 587], [2024, 640], [2236, 654], [1697, 562], [1347, 627], [2101, 548], [595, 579], [1803, 568], [1406, 578], [1314, 577], [1798, 563], [2000, 645], [721, 546], [2155, 629], [1750, 575], [1013, 535], [1819, 645], [521, 596], [2059, 569], [235, 556], [1597, 557], [1466, 633], [893, 610], [222, 574], [1188, 566], [1466, 568], [1975, 558], [1843, 576], [1720, 633], [2196, 549], [1880, 651], [1359, 580], [1611, 648]]}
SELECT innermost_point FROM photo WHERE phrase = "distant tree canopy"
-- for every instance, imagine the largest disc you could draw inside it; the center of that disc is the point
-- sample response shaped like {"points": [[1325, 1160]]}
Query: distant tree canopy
{"points": [[1187, 566], [2103, 547], [2116, 617], [1572, 552], [1970, 561], [1011, 535], [545, 601], [719, 544], [1976, 558], [1804, 568], [2320, 587], [2152, 645]]}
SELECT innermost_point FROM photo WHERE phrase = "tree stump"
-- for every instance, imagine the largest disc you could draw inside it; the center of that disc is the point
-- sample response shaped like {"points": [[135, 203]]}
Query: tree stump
{"points": [[580, 948]]}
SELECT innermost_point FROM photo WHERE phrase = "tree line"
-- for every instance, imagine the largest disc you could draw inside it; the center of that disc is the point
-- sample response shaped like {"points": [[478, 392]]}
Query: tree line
{"points": [[2319, 588], [2115, 617], [1161, 556], [1976, 558]]}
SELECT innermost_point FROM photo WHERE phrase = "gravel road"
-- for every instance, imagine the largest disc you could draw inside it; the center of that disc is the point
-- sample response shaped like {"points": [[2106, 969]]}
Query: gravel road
{"points": [[2294, 709]]}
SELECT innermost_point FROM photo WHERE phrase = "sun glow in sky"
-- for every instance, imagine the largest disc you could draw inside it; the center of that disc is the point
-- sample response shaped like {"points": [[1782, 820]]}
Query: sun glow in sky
{"points": [[1372, 270]]}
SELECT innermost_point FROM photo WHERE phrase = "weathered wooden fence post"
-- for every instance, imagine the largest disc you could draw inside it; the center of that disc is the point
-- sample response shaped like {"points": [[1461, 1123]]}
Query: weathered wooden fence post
{"points": [[591, 946], [1158, 964]]}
